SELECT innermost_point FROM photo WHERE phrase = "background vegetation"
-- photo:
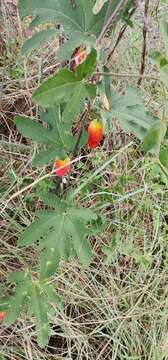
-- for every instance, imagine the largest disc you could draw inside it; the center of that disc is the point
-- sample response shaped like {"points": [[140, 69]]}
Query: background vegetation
{"points": [[117, 307]]}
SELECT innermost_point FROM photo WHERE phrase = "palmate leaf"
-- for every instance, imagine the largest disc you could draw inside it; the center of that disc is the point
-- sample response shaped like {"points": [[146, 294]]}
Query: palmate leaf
{"points": [[56, 137], [35, 298], [78, 22], [76, 106], [39, 38], [60, 233], [132, 114], [39, 308], [57, 88], [66, 84], [16, 302]]}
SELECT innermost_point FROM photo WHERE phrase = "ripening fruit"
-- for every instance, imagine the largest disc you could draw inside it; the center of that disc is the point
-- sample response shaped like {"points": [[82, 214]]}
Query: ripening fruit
{"points": [[80, 56], [2, 315], [95, 132], [61, 167]]}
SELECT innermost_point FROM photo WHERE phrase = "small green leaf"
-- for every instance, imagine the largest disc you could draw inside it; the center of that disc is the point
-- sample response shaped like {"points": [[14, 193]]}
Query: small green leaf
{"points": [[16, 302], [88, 66], [163, 157], [154, 135], [33, 297], [157, 58]]}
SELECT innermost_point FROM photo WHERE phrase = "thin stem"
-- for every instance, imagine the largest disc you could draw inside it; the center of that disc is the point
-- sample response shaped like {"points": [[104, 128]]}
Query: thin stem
{"points": [[107, 24], [107, 12], [120, 35], [119, 75], [145, 33], [82, 121], [162, 168]]}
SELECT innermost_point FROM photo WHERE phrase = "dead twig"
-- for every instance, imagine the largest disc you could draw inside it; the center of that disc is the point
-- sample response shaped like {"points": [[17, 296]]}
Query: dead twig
{"points": [[109, 20], [120, 35], [144, 49]]}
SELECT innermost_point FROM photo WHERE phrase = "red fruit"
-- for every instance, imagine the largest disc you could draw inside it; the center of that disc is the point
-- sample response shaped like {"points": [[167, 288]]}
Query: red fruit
{"points": [[95, 132], [62, 167], [80, 56], [2, 315]]}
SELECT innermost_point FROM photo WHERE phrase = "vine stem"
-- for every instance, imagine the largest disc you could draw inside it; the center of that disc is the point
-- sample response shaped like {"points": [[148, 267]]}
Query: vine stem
{"points": [[144, 49], [109, 20], [108, 12], [120, 35], [82, 121], [162, 167], [120, 75]]}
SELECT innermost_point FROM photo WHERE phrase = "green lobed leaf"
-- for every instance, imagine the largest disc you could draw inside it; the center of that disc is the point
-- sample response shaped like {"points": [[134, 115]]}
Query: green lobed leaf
{"points": [[32, 129], [60, 11], [57, 88], [59, 231], [78, 22], [16, 301], [77, 104], [39, 308], [39, 38], [156, 57], [73, 18], [132, 114], [52, 296], [57, 136], [36, 299]]}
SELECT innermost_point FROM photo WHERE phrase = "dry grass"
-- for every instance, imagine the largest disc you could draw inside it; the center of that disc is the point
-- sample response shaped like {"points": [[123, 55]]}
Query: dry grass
{"points": [[116, 310]]}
